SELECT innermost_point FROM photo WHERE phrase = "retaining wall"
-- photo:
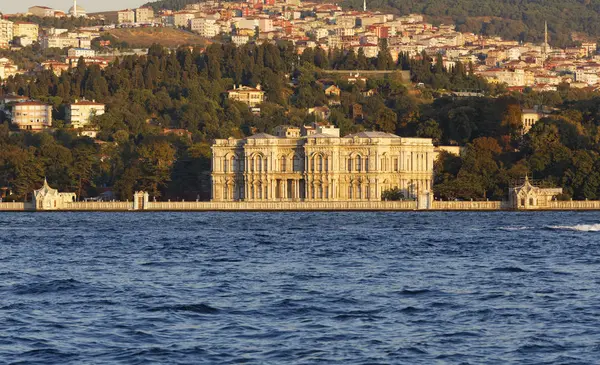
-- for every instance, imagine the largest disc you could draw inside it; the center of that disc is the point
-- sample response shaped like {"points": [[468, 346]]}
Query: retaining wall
{"points": [[15, 206], [573, 205], [304, 206], [467, 205], [101, 206], [283, 206]]}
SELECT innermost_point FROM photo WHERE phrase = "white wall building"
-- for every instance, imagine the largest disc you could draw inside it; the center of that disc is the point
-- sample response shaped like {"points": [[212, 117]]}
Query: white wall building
{"points": [[126, 16], [81, 111], [81, 52], [32, 115], [6, 32]]}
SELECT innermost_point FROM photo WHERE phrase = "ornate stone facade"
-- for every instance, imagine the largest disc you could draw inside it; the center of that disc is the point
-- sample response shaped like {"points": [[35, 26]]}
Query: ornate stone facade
{"points": [[528, 196], [47, 198], [320, 167]]}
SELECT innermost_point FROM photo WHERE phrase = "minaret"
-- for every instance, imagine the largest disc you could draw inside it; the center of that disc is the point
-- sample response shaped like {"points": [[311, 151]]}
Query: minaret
{"points": [[545, 32], [364, 5], [75, 8]]}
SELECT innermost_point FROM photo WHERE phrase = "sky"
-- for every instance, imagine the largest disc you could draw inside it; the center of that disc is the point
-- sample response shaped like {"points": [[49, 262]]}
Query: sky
{"points": [[20, 6]]}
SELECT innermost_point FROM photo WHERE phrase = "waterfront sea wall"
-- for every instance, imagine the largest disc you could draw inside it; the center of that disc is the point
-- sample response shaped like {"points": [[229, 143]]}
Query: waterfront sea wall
{"points": [[282, 205], [102, 206], [407, 205], [15, 206], [468, 205], [574, 205]]}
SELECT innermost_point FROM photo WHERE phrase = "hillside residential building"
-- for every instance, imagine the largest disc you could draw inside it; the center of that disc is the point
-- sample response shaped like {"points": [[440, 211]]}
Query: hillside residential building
{"points": [[65, 42], [25, 29], [182, 18], [320, 167], [41, 11], [32, 115], [81, 52], [81, 111], [126, 16], [531, 116], [249, 95], [240, 40], [7, 68], [6, 33], [205, 27], [144, 15]]}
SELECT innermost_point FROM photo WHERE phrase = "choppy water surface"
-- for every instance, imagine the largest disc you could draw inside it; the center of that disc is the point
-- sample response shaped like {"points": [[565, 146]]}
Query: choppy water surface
{"points": [[340, 288]]}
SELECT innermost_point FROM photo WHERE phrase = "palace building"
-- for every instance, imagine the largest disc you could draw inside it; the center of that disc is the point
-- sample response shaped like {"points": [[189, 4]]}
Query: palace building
{"points": [[320, 167]]}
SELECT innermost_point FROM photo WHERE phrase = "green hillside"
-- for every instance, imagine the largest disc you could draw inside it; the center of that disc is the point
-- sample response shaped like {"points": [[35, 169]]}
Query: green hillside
{"points": [[511, 19]]}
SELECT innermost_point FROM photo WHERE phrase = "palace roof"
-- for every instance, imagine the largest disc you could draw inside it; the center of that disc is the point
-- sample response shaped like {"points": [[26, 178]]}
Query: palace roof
{"points": [[262, 136], [372, 134]]}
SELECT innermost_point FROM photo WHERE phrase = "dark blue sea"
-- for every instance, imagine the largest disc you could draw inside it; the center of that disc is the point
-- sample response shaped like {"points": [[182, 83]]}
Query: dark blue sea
{"points": [[300, 288]]}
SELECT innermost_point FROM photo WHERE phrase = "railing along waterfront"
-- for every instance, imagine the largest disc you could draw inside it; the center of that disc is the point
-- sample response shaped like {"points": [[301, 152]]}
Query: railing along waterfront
{"points": [[15, 206], [573, 205], [283, 205], [466, 205], [101, 206]]}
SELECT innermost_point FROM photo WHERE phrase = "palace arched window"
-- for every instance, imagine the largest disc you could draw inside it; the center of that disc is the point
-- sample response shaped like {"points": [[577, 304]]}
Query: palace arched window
{"points": [[319, 163], [283, 164], [349, 164], [358, 163], [297, 163]]}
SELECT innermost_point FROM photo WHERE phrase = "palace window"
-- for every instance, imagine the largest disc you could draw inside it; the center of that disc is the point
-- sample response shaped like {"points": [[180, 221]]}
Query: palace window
{"points": [[358, 163], [349, 164], [319, 163], [283, 164], [358, 191], [395, 164]]}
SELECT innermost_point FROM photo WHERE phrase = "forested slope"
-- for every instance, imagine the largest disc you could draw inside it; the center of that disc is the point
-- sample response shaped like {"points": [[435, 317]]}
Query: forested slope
{"points": [[514, 19], [511, 19]]}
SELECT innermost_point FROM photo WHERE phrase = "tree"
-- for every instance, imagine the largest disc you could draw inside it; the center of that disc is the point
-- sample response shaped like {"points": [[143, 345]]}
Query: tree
{"points": [[393, 194], [386, 120]]}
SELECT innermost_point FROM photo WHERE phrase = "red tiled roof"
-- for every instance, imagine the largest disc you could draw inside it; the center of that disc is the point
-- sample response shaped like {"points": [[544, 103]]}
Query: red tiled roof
{"points": [[30, 102], [86, 102]]}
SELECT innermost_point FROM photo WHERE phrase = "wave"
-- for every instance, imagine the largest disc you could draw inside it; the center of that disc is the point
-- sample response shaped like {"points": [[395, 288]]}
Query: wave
{"points": [[509, 269], [47, 287], [518, 228], [578, 227], [195, 308]]}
